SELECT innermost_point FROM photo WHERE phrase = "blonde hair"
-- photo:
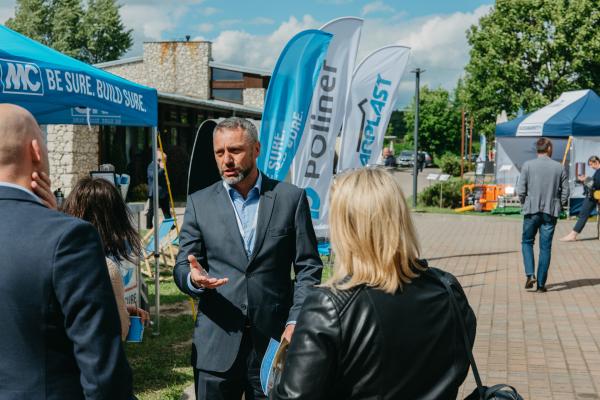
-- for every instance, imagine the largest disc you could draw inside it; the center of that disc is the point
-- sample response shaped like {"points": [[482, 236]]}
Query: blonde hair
{"points": [[372, 234]]}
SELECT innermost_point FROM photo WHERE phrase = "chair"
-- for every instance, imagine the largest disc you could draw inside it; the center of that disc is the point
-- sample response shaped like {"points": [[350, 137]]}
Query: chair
{"points": [[324, 249], [165, 243]]}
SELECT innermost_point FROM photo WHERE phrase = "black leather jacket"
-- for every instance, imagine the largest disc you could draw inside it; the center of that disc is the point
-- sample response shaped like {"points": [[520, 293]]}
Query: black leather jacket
{"points": [[366, 344]]}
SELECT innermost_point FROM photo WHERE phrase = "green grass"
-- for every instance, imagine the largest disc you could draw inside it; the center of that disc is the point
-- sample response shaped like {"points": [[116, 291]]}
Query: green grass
{"points": [[438, 210], [161, 364], [169, 292]]}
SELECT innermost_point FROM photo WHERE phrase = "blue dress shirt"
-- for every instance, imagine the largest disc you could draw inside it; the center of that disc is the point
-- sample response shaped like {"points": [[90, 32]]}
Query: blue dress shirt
{"points": [[246, 215]]}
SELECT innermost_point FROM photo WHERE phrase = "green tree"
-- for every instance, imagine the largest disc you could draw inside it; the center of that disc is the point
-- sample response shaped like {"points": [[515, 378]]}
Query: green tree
{"points": [[525, 53], [106, 36], [67, 35], [32, 19], [439, 122], [93, 33], [397, 125]]}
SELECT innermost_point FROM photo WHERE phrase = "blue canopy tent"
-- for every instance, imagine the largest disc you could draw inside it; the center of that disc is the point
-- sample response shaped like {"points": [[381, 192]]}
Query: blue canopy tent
{"points": [[574, 115], [58, 89]]}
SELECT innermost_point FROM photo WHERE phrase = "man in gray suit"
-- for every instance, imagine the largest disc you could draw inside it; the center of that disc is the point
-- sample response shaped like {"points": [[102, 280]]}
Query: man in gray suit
{"points": [[239, 240], [543, 190]]}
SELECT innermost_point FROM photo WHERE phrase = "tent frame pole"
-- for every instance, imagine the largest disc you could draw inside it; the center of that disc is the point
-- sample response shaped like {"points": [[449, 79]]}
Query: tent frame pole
{"points": [[156, 328]]}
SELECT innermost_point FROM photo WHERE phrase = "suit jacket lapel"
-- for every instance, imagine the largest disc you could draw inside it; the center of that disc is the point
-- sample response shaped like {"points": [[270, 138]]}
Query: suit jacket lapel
{"points": [[265, 209], [227, 215]]}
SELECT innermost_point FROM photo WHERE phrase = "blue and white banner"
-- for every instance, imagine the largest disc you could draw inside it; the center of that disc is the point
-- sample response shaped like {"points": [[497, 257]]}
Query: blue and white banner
{"points": [[58, 89], [372, 96], [288, 100], [313, 164], [482, 148]]}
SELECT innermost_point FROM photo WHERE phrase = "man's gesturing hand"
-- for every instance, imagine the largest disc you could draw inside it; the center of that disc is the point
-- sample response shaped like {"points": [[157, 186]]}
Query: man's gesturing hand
{"points": [[200, 278]]}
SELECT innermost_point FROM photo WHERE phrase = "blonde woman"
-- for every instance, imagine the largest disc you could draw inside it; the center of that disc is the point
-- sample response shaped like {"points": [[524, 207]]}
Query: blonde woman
{"points": [[382, 326]]}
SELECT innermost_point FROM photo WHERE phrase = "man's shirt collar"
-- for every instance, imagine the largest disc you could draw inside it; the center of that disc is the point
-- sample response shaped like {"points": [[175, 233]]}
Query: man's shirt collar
{"points": [[255, 189]]}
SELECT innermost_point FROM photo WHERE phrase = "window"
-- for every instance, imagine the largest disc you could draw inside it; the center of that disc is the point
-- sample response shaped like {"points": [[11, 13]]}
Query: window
{"points": [[231, 95], [219, 74]]}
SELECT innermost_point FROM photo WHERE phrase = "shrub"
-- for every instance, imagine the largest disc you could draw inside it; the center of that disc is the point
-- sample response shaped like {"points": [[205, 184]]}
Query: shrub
{"points": [[451, 193], [138, 193], [449, 164]]}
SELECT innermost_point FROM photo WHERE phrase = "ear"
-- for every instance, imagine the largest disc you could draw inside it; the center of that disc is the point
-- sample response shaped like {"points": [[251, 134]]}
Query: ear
{"points": [[36, 151], [257, 149]]}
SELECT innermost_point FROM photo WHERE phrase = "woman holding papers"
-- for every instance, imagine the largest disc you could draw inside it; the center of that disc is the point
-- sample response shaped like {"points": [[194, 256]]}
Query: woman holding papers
{"points": [[98, 202], [382, 326]]}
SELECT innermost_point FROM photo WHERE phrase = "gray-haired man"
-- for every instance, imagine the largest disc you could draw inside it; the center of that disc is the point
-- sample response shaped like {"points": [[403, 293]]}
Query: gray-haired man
{"points": [[239, 239], [543, 190]]}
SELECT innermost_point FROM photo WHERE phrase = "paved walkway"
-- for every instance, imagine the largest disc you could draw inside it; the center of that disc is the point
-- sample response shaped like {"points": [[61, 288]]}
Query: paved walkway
{"points": [[546, 345]]}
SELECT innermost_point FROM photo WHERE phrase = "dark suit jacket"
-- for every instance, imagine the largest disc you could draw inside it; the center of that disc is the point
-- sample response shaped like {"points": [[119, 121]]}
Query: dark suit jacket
{"points": [[60, 336], [260, 287]]}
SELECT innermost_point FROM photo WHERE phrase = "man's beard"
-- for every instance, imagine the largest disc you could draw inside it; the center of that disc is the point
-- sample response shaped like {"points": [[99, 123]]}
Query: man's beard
{"points": [[234, 180]]}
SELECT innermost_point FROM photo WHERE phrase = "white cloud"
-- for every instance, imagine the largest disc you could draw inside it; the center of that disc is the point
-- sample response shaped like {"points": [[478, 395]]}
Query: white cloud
{"points": [[208, 11], [376, 7], [205, 27], [335, 2], [438, 44], [262, 21], [148, 22], [7, 10], [261, 51], [226, 23]]}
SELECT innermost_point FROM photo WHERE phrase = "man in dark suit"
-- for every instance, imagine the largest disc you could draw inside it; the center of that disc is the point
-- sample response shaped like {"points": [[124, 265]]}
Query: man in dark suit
{"points": [[163, 193], [60, 336], [239, 240]]}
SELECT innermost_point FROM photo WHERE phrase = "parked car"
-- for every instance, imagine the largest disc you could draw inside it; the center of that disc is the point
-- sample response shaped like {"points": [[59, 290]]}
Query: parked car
{"points": [[428, 160], [405, 159]]}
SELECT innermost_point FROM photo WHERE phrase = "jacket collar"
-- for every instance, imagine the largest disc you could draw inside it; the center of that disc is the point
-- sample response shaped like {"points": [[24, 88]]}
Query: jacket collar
{"points": [[14, 192], [265, 209]]}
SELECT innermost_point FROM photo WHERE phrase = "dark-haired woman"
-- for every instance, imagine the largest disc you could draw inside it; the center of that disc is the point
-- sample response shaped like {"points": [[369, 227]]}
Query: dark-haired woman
{"points": [[590, 185], [99, 202]]}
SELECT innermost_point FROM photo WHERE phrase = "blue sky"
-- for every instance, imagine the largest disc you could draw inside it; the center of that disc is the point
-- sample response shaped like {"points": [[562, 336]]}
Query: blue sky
{"points": [[253, 33]]}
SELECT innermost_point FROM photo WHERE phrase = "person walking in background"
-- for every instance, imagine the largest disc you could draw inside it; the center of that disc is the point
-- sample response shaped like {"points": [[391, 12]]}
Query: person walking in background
{"points": [[380, 328], [163, 192], [60, 336], [420, 161], [543, 190], [590, 185], [239, 240], [98, 202], [388, 158]]}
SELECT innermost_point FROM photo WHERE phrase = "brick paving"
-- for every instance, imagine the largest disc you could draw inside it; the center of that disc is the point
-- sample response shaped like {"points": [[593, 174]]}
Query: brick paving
{"points": [[544, 344]]}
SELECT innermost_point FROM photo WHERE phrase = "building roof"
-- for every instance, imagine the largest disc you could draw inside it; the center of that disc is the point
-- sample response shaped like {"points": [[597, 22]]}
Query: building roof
{"points": [[240, 68], [213, 104], [121, 61]]}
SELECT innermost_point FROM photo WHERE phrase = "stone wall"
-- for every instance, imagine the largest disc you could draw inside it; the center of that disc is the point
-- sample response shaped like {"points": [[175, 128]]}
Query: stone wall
{"points": [[254, 97], [171, 67], [73, 152], [133, 71]]}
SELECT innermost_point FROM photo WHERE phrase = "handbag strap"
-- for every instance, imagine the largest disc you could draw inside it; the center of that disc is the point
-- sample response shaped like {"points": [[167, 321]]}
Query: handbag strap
{"points": [[458, 315]]}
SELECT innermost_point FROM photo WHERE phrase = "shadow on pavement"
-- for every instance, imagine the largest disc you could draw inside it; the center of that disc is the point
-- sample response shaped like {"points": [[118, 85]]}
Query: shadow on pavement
{"points": [[576, 283], [479, 273], [493, 253]]}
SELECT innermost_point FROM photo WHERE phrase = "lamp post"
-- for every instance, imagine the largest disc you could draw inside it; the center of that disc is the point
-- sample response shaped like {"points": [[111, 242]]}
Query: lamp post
{"points": [[417, 73]]}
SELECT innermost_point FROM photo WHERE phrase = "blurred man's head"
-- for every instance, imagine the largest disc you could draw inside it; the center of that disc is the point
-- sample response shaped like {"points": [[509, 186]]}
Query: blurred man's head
{"points": [[386, 152], [543, 146], [22, 148], [236, 147], [159, 156]]}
